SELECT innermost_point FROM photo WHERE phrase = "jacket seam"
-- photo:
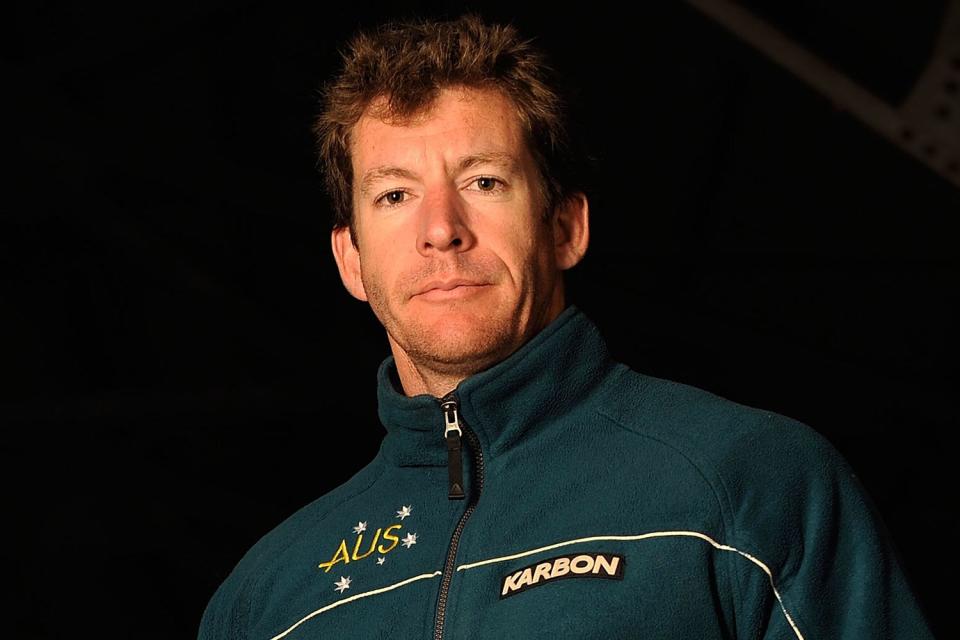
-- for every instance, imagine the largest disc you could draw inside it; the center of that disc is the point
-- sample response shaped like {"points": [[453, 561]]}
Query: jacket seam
{"points": [[321, 518], [725, 513], [719, 499], [383, 469]]}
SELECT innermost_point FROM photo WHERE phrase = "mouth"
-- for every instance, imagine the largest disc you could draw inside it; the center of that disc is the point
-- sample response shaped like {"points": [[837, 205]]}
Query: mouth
{"points": [[449, 289]]}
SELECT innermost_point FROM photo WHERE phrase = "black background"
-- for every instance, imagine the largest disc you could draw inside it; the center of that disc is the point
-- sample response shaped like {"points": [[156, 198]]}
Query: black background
{"points": [[182, 368]]}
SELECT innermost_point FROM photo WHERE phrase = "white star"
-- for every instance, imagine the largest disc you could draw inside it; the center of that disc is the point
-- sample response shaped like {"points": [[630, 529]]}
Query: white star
{"points": [[410, 540], [381, 560], [404, 512], [360, 528], [343, 584]]}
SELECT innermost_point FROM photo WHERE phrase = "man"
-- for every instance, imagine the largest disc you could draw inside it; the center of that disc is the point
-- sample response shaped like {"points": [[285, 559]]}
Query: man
{"points": [[529, 486]]}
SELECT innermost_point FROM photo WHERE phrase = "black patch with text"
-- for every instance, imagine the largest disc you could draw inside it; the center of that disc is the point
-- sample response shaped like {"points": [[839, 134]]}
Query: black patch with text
{"points": [[577, 565]]}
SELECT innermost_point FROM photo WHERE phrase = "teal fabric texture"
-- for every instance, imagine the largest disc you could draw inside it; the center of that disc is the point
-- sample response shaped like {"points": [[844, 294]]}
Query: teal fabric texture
{"points": [[599, 503]]}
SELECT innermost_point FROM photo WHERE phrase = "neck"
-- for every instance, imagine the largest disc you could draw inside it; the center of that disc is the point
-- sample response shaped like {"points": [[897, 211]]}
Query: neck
{"points": [[418, 378]]}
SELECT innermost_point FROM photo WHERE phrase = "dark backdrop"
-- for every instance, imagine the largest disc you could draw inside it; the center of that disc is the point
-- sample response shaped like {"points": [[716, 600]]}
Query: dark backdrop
{"points": [[182, 368]]}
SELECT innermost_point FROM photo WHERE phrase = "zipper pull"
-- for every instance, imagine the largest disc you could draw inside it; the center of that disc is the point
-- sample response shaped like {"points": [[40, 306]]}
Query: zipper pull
{"points": [[451, 434]]}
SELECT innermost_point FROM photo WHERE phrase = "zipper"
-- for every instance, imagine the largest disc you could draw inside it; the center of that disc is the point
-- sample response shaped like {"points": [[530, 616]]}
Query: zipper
{"points": [[454, 429], [451, 434]]}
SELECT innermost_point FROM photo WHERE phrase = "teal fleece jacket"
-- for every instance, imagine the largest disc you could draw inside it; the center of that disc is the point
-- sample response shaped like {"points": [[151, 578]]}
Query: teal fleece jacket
{"points": [[597, 503]]}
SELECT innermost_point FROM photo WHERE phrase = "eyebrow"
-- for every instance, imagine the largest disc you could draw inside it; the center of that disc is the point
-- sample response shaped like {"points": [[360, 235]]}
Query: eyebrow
{"points": [[379, 173], [499, 158]]}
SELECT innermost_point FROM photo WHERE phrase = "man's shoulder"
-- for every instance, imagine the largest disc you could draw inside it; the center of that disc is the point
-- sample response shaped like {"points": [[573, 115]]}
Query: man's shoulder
{"points": [[723, 436], [771, 475], [306, 521], [289, 544]]}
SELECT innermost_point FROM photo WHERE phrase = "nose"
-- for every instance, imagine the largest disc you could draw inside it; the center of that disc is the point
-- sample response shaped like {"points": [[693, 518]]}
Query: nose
{"points": [[444, 224]]}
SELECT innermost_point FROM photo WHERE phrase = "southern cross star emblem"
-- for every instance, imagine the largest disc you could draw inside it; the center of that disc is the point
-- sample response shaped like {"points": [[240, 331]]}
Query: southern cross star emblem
{"points": [[404, 512], [360, 528], [381, 560], [343, 584], [410, 540]]}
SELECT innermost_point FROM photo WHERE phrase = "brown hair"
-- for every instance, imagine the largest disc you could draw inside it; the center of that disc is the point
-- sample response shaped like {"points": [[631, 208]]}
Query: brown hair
{"points": [[408, 63]]}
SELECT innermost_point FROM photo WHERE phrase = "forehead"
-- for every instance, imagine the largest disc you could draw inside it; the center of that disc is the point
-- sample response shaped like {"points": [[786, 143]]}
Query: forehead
{"points": [[461, 121]]}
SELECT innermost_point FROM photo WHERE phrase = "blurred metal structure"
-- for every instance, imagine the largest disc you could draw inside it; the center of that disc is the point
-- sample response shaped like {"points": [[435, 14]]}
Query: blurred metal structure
{"points": [[926, 125]]}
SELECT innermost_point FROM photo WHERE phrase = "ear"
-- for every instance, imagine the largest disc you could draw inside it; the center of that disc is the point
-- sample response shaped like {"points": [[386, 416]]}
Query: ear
{"points": [[348, 261], [571, 230]]}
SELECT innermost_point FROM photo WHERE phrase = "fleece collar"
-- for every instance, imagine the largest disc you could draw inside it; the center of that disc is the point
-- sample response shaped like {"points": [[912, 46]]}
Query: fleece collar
{"points": [[542, 380]]}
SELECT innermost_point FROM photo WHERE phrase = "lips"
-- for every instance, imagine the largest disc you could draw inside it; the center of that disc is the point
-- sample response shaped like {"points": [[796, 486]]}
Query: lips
{"points": [[447, 285], [447, 289]]}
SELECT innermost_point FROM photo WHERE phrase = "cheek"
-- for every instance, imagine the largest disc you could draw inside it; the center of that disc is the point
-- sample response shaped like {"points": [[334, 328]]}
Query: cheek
{"points": [[528, 262], [381, 268], [535, 246], [371, 269]]}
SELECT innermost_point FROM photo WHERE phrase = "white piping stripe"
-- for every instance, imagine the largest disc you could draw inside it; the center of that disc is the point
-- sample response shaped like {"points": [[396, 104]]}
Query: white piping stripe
{"points": [[655, 534], [645, 536], [355, 597]]}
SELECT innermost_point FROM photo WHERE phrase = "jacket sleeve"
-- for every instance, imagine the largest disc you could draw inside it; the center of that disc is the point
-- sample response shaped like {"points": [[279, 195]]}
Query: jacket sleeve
{"points": [[225, 615], [235, 606], [819, 558]]}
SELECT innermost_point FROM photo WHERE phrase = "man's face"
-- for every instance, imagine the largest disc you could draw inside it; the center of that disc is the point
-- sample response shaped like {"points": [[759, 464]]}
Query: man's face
{"points": [[454, 252]]}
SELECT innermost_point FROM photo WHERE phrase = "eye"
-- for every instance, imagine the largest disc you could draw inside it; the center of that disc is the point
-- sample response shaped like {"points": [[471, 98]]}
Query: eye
{"points": [[392, 198], [488, 183]]}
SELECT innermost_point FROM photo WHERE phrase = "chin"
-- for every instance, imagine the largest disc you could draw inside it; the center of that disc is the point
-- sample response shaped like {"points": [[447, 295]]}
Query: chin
{"points": [[458, 340]]}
